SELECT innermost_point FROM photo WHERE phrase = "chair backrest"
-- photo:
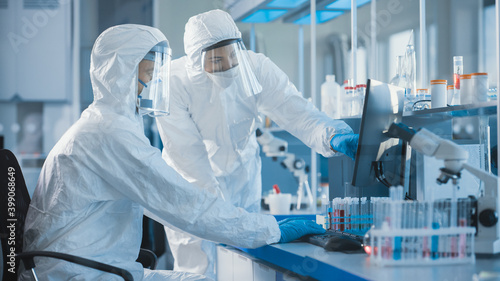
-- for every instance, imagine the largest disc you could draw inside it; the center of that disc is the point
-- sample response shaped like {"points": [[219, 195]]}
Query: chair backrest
{"points": [[14, 203]]}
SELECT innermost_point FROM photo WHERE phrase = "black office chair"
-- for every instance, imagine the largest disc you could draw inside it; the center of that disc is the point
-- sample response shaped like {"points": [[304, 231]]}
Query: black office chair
{"points": [[14, 195]]}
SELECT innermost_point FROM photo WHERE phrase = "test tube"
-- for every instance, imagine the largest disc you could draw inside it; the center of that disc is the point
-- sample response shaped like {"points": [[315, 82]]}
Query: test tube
{"points": [[420, 225], [360, 216], [453, 224], [408, 246], [375, 210], [462, 222], [348, 219], [366, 216], [435, 225], [333, 221], [371, 211], [361, 219], [399, 190], [386, 226], [409, 225], [377, 213], [335, 214], [342, 207], [458, 69], [330, 216], [444, 243], [392, 193], [396, 214], [355, 215], [427, 219]]}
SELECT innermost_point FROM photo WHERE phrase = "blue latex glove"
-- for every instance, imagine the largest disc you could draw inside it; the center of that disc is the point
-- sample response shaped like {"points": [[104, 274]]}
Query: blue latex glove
{"points": [[294, 228], [345, 143]]}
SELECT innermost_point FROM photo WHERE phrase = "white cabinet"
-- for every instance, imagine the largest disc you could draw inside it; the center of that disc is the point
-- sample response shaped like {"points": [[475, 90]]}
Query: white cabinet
{"points": [[224, 264], [263, 273], [243, 268], [234, 265], [36, 54]]}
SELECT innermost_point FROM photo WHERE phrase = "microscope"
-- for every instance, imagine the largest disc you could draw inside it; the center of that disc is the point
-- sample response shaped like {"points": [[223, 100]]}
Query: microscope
{"points": [[487, 240], [275, 147]]}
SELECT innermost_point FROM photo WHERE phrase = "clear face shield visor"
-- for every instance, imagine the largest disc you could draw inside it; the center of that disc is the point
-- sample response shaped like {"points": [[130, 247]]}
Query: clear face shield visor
{"points": [[153, 81], [227, 64]]}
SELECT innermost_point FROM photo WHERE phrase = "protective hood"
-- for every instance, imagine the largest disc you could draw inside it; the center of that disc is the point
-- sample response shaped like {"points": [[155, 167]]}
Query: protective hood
{"points": [[113, 66], [204, 30]]}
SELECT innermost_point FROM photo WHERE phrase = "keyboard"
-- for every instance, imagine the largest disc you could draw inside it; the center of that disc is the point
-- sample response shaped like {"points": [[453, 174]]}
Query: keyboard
{"points": [[338, 241]]}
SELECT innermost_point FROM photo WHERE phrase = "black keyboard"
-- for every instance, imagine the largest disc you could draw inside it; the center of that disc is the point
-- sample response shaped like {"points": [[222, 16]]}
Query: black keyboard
{"points": [[334, 240]]}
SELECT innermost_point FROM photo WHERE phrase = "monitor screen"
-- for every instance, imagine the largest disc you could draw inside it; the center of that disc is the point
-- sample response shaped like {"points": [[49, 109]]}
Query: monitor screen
{"points": [[383, 105]]}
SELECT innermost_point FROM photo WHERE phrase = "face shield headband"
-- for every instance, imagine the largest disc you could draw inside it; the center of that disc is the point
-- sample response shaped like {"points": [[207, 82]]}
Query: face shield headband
{"points": [[228, 65], [153, 77]]}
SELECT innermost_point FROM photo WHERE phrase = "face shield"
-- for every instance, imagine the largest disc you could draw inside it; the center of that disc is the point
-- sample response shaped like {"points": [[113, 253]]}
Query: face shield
{"points": [[227, 64], [153, 81]]}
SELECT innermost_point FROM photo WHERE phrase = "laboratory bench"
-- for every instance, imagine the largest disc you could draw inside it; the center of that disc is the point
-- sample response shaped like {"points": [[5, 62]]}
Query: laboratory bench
{"points": [[303, 261]]}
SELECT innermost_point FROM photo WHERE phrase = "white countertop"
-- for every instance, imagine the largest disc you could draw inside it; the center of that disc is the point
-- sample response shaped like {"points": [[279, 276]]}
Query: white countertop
{"points": [[359, 265]]}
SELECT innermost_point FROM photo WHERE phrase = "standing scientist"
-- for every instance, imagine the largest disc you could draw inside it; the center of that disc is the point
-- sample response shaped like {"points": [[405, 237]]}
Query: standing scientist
{"points": [[218, 91], [103, 174]]}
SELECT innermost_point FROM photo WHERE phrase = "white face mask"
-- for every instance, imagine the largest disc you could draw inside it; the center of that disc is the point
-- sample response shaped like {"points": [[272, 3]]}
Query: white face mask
{"points": [[142, 104], [224, 79]]}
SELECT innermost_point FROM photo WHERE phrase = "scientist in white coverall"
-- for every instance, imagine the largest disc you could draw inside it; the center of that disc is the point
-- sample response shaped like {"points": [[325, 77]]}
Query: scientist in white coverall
{"points": [[218, 91], [103, 174]]}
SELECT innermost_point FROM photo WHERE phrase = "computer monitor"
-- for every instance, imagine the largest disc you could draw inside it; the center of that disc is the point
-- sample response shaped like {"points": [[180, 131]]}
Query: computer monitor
{"points": [[379, 157]]}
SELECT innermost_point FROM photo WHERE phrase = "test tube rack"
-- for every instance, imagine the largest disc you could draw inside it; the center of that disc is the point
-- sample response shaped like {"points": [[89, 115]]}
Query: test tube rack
{"points": [[421, 233], [352, 215]]}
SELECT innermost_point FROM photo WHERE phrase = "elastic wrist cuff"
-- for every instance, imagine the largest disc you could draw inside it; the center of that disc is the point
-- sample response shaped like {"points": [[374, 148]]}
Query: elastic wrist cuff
{"points": [[330, 143]]}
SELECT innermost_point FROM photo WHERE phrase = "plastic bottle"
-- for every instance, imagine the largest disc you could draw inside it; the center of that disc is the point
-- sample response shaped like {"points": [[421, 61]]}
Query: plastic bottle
{"points": [[479, 87], [347, 101], [465, 89], [438, 93], [330, 97], [450, 93]]}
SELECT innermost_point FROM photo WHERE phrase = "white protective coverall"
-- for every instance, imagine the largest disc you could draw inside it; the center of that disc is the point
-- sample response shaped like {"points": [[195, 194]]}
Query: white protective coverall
{"points": [[102, 174], [211, 141]]}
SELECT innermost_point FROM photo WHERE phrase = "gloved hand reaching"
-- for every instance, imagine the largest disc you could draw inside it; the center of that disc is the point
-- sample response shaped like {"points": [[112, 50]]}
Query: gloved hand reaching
{"points": [[294, 228], [345, 143]]}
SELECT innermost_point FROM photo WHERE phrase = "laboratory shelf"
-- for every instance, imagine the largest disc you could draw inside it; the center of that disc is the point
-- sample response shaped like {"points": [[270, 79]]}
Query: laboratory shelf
{"points": [[427, 116], [483, 108]]}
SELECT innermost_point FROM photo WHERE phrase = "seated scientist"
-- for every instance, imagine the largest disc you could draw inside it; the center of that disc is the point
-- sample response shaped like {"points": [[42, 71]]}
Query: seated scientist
{"points": [[103, 173], [218, 91]]}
